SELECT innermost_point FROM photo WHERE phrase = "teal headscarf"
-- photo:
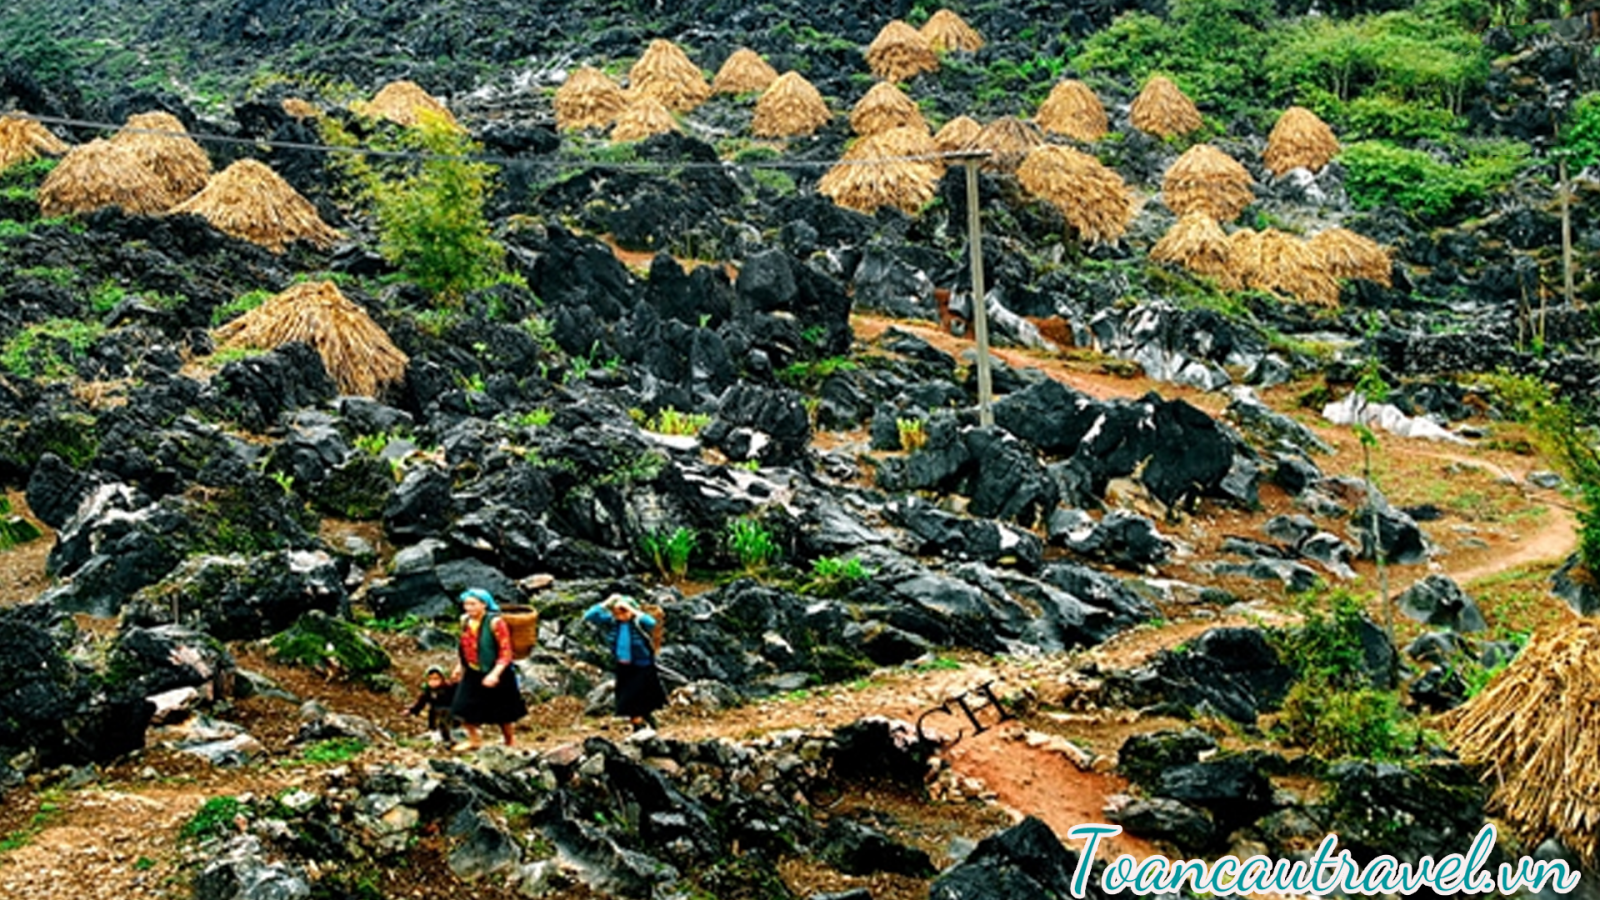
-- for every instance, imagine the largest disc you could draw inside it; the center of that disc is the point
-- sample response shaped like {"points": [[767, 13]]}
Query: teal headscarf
{"points": [[482, 596]]}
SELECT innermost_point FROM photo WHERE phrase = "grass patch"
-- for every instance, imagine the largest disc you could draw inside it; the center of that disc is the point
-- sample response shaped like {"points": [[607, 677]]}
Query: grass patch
{"points": [[215, 818]]}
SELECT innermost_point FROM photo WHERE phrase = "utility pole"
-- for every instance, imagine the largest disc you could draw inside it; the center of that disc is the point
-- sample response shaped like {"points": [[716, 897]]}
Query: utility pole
{"points": [[980, 315]]}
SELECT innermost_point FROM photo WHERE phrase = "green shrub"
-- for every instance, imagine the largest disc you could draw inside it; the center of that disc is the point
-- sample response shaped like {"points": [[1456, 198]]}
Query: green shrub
{"points": [[831, 576], [670, 421], [1581, 137], [1211, 48], [14, 529], [912, 434], [239, 306], [1381, 173], [671, 551], [50, 349], [751, 543], [1363, 723], [215, 818]]}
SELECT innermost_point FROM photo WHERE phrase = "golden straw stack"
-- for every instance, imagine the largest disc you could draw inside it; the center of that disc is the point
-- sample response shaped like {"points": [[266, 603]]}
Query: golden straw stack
{"points": [[743, 72], [790, 107], [356, 351], [23, 140], [643, 117], [405, 103], [588, 99], [899, 52], [1281, 263], [1206, 180], [300, 108], [161, 144], [1092, 198], [1346, 254], [1195, 242], [875, 173], [1299, 140], [1163, 110], [957, 134], [666, 73], [884, 107], [1008, 140], [99, 174], [1073, 109], [250, 201], [945, 31]]}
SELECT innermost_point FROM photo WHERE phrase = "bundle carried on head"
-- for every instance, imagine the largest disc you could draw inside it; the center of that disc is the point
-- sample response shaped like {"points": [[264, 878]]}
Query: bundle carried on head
{"points": [[1073, 109], [250, 201], [1092, 198], [23, 139], [666, 73], [743, 72], [883, 107], [162, 145], [588, 99], [355, 350], [1163, 110], [790, 107], [899, 52]]}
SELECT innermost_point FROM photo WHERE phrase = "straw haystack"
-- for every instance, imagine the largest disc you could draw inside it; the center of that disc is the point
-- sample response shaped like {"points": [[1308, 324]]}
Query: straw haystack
{"points": [[884, 107], [300, 109], [1093, 199], [899, 52], [249, 201], [744, 72], [666, 73], [876, 172], [1195, 242], [1072, 109], [99, 174], [1273, 261], [789, 107], [1008, 140], [161, 144], [1206, 180], [957, 134], [1346, 254], [643, 117], [354, 349], [945, 31], [1163, 110], [1532, 730], [1299, 140], [588, 99], [405, 103], [23, 140]]}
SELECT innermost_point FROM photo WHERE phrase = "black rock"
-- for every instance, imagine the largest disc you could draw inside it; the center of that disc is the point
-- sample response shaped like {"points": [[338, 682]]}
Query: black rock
{"points": [[234, 598], [755, 422], [856, 849], [1026, 860], [55, 489], [256, 390], [1165, 819], [1143, 757], [420, 506], [1231, 671], [1437, 600]]}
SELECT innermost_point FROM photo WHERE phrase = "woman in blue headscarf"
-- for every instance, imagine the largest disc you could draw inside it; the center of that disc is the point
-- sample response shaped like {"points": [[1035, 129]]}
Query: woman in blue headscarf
{"points": [[627, 630], [487, 693]]}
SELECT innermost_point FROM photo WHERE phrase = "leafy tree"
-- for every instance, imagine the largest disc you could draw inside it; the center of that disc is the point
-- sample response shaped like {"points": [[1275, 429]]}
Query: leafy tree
{"points": [[1415, 181], [1581, 138]]}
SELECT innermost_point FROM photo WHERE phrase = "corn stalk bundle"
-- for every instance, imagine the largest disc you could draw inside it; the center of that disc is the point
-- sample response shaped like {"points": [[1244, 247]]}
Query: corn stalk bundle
{"points": [[405, 104], [1281, 263], [1163, 110], [588, 99], [300, 108], [356, 351], [249, 201], [743, 72], [643, 117], [99, 174], [899, 52], [1072, 109], [170, 154], [1206, 180], [1008, 140], [876, 171], [1092, 198], [789, 107], [1195, 242], [945, 31], [23, 140], [1299, 140], [956, 134], [1533, 729], [666, 73], [884, 107], [1350, 255]]}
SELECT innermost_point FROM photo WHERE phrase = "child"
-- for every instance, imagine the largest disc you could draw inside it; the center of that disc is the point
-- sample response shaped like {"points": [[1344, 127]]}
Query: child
{"points": [[437, 695]]}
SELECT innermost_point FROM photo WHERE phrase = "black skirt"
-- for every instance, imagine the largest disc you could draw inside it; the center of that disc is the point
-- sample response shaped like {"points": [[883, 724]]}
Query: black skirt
{"points": [[479, 705], [639, 690]]}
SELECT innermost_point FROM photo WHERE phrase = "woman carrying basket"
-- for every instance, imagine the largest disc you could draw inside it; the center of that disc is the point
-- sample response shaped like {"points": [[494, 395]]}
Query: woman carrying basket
{"points": [[627, 629], [487, 693]]}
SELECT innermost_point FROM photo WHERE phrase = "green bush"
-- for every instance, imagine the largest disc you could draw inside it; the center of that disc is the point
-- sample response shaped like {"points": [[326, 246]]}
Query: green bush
{"points": [[671, 551], [832, 576], [1211, 48], [1362, 723], [751, 543], [215, 818], [239, 306], [333, 751], [1415, 181], [50, 349], [1581, 137]]}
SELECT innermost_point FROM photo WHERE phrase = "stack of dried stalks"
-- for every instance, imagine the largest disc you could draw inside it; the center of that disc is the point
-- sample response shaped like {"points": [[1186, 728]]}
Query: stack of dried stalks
{"points": [[588, 99], [1163, 110], [666, 73], [957, 134], [789, 107], [1197, 243], [1533, 730], [1206, 180], [161, 144], [1346, 254], [1299, 140], [884, 107], [23, 140], [300, 108], [876, 172], [1072, 109], [404, 103], [643, 117], [1008, 140], [355, 350], [945, 31], [899, 52], [1281, 263], [249, 201], [1093, 199], [744, 72], [102, 173]]}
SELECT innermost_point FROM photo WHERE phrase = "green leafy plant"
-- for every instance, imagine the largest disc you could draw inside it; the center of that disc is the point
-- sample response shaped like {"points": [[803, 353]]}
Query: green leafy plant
{"points": [[832, 576], [37, 351], [217, 817], [1381, 173], [14, 529], [333, 751], [751, 543], [239, 306], [533, 418], [671, 551], [810, 374], [670, 421], [912, 434]]}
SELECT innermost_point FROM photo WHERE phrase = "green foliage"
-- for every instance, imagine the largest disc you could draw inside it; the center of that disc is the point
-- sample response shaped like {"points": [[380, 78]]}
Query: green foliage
{"points": [[233, 354], [832, 576], [28, 174], [1580, 139], [671, 551], [912, 434], [1326, 645], [14, 529], [670, 421], [396, 626], [56, 275], [239, 306], [1569, 441], [50, 349], [1414, 180], [1211, 48], [800, 375], [939, 663], [1363, 723], [319, 642], [751, 543], [533, 418], [33, 43], [215, 818], [106, 295], [333, 751]]}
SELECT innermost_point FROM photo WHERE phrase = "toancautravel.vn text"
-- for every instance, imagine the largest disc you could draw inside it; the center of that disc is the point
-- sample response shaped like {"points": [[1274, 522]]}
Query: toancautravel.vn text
{"points": [[1329, 871]]}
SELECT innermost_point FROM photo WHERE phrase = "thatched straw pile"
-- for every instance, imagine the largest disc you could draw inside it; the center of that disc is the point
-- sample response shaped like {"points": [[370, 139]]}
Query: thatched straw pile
{"points": [[643, 117], [175, 159], [1163, 110], [1533, 729], [300, 109], [405, 103], [1008, 140], [1093, 199], [588, 99], [355, 350], [102, 173], [23, 140], [744, 72], [249, 201], [1072, 109], [1346, 254], [874, 173], [1281, 263], [884, 107], [956, 134], [1206, 180], [666, 73], [789, 107], [899, 52], [945, 31], [1299, 140], [1195, 242]]}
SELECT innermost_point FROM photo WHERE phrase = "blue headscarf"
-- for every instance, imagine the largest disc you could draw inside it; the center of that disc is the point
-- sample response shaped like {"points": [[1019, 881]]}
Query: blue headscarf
{"points": [[482, 596]]}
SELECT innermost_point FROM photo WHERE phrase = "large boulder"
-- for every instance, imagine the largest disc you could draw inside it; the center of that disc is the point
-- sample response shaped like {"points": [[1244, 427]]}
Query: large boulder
{"points": [[1437, 600], [766, 424], [1228, 671], [256, 391], [237, 598]]}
